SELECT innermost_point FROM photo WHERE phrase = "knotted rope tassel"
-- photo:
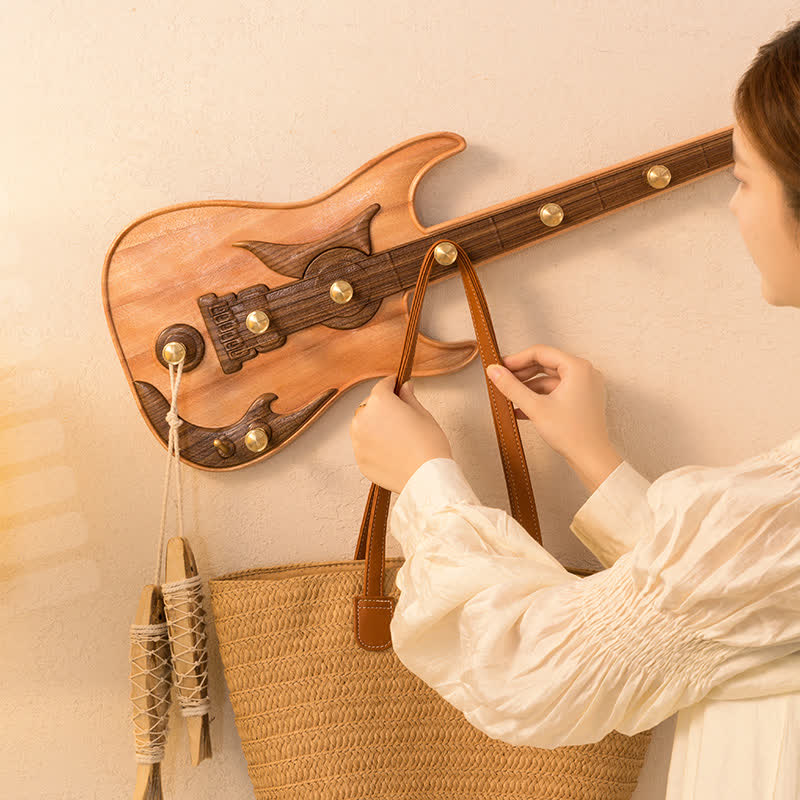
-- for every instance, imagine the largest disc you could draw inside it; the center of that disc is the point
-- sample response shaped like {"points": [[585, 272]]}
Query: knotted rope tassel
{"points": [[169, 634]]}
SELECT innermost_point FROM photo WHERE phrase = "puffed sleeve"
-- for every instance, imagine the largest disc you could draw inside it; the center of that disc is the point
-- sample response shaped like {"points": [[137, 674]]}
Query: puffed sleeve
{"points": [[533, 655]]}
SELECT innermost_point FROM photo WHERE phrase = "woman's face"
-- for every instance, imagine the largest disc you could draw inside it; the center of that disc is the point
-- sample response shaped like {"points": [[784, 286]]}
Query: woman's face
{"points": [[766, 222]]}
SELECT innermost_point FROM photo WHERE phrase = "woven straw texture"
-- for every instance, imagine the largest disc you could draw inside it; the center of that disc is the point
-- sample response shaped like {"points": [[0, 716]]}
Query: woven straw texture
{"points": [[320, 717]]}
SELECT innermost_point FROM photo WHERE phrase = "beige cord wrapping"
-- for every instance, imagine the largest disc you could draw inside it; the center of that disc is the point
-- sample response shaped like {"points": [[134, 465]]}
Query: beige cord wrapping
{"points": [[151, 680], [183, 601]]}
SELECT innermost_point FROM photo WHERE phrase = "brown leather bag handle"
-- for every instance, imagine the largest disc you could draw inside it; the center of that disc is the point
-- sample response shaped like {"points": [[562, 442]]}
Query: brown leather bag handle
{"points": [[373, 609]]}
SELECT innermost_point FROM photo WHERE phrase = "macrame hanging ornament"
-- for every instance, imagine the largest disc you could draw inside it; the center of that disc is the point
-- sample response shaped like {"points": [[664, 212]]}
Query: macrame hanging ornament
{"points": [[168, 638]]}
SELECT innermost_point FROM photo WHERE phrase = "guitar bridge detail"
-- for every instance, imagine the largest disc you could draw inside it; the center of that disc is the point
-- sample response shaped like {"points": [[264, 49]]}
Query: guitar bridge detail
{"points": [[226, 322]]}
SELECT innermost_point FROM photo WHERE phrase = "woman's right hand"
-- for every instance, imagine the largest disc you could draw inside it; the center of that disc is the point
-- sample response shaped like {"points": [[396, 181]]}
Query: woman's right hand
{"points": [[567, 404]]}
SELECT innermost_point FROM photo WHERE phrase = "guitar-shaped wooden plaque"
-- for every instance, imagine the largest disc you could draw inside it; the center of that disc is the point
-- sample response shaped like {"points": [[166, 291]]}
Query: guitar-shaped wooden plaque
{"points": [[282, 307]]}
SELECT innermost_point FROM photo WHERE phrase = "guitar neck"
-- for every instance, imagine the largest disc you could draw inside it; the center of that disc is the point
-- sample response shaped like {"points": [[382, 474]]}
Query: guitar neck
{"points": [[485, 235], [507, 227]]}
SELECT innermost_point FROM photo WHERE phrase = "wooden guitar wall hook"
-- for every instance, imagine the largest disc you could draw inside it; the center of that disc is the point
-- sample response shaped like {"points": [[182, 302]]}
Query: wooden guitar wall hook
{"points": [[282, 307]]}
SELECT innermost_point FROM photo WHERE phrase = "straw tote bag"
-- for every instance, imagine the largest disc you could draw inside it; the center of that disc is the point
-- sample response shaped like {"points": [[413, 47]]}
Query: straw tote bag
{"points": [[324, 707]]}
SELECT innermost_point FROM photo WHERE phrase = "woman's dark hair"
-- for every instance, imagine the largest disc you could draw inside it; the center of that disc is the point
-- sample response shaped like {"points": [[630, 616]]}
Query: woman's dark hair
{"points": [[767, 107]]}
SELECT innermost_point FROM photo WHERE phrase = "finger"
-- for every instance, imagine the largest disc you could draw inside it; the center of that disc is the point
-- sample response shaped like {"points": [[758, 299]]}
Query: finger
{"points": [[523, 373], [385, 384], [407, 387], [543, 384], [543, 354], [406, 393], [516, 391]]}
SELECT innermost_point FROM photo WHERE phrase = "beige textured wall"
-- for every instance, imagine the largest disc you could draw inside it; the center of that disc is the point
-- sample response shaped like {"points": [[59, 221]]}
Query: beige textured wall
{"points": [[112, 110]]}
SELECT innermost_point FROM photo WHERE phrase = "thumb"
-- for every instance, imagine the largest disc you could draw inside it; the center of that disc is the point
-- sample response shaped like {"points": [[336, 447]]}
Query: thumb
{"points": [[513, 388], [407, 394]]}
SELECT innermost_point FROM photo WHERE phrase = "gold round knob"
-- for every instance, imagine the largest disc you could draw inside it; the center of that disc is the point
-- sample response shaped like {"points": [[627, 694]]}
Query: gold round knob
{"points": [[341, 291], [445, 253], [256, 440], [224, 447], [659, 176], [257, 321], [551, 214], [173, 352]]}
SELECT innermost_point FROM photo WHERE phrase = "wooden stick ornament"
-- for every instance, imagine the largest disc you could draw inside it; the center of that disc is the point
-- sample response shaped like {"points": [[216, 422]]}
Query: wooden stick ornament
{"points": [[151, 680], [168, 638], [183, 603]]}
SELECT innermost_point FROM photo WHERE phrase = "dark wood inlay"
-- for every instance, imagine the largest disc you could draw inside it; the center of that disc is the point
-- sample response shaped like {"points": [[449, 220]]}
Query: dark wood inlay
{"points": [[292, 259], [197, 443]]}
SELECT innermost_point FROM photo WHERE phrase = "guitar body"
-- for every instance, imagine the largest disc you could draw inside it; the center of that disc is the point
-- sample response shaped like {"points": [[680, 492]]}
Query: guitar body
{"points": [[159, 268], [280, 308]]}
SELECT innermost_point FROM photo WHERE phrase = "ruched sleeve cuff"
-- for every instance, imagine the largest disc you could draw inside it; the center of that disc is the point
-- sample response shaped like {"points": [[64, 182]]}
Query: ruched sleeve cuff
{"points": [[616, 515]]}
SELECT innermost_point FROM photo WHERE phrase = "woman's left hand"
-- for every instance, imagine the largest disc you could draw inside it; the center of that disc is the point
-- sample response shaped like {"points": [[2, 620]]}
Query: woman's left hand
{"points": [[393, 435]]}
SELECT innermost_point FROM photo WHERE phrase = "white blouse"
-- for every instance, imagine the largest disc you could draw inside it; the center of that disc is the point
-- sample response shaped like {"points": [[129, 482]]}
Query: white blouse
{"points": [[700, 599]]}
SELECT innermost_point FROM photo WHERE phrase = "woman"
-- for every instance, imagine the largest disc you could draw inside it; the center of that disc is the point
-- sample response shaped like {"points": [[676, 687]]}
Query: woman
{"points": [[698, 611]]}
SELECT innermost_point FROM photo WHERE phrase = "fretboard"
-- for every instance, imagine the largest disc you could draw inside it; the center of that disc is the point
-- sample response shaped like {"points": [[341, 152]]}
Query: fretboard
{"points": [[496, 231], [502, 229]]}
